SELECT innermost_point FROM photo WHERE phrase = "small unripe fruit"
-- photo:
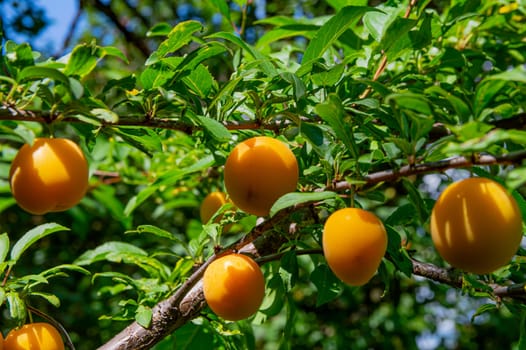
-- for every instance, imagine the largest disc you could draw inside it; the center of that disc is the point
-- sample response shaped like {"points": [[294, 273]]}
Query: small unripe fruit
{"points": [[210, 205], [476, 225], [354, 242], [258, 171], [234, 287]]}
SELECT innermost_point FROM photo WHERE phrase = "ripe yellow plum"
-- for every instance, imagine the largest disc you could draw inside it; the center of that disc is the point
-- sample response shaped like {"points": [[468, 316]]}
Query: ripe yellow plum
{"points": [[476, 225], [354, 242], [234, 286], [48, 176], [258, 171]]}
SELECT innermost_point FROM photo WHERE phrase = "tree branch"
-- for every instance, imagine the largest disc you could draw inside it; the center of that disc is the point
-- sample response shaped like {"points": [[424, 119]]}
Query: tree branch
{"points": [[438, 166], [262, 243], [188, 301]]}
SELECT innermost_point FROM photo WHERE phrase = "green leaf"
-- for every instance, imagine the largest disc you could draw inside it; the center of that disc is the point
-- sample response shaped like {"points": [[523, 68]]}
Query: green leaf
{"points": [[461, 108], [143, 139], [17, 57], [297, 84], [143, 316], [332, 112], [483, 143], [108, 251], [50, 298], [82, 60], [292, 28], [214, 128], [59, 270], [200, 81], [517, 74], [294, 198], [17, 307], [154, 230], [482, 309], [398, 254], [2, 296], [397, 38], [223, 8], [178, 37], [265, 64], [193, 336], [33, 236], [416, 198], [328, 77], [167, 179], [516, 178], [159, 29], [273, 302], [490, 86], [37, 72], [339, 4], [485, 93], [105, 115], [327, 284], [289, 269], [331, 31], [4, 247], [156, 75], [114, 52]]}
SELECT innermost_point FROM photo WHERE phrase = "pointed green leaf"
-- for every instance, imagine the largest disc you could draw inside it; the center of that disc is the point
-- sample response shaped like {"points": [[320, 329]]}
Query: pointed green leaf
{"points": [[50, 298], [266, 65], [143, 139], [332, 112], [398, 254], [105, 250], [143, 316], [178, 37], [59, 270], [4, 247], [482, 309], [223, 8], [2, 296], [167, 179], [82, 60], [326, 36], [159, 29], [33, 236], [297, 84], [37, 72], [294, 198], [199, 81], [214, 128], [327, 284], [17, 307], [154, 230]]}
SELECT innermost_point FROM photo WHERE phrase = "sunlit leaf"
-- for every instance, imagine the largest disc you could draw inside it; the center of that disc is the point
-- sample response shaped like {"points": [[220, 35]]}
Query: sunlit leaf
{"points": [[297, 198], [331, 31]]}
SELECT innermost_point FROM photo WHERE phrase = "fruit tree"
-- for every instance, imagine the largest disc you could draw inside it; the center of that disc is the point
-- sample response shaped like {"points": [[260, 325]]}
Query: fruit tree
{"points": [[366, 159]]}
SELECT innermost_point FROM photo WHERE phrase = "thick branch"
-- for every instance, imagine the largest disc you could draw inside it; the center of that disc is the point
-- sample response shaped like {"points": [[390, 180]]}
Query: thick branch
{"points": [[438, 166], [188, 301], [45, 117]]}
